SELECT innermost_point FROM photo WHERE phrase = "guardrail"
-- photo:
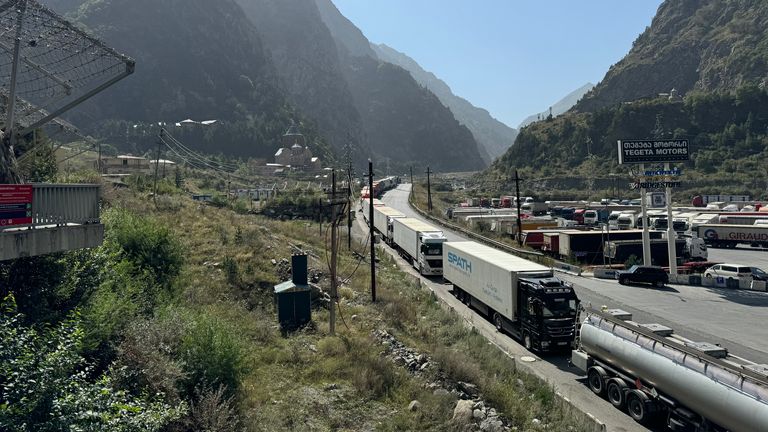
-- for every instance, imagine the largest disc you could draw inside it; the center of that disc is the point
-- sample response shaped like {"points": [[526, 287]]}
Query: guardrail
{"points": [[537, 256], [56, 204]]}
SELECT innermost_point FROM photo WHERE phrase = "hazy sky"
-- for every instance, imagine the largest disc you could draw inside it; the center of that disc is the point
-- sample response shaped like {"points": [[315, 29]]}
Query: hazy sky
{"points": [[511, 57]]}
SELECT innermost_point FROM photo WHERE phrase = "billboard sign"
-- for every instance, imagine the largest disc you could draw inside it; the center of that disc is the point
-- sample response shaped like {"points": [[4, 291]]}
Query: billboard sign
{"points": [[15, 205], [654, 184], [652, 151]]}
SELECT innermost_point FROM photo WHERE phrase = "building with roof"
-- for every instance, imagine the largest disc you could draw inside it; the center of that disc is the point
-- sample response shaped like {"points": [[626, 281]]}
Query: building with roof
{"points": [[294, 153], [125, 164]]}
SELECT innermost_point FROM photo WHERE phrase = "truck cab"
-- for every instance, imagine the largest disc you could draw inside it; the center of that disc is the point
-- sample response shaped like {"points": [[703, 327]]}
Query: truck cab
{"points": [[547, 310], [430, 258]]}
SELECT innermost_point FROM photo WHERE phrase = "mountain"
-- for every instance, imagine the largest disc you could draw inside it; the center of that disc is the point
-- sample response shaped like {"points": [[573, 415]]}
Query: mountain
{"points": [[305, 57], [403, 121], [198, 59], [493, 136], [715, 54], [704, 45], [257, 64], [560, 106]]}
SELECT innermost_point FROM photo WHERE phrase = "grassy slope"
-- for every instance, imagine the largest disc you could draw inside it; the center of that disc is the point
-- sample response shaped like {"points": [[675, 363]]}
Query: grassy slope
{"points": [[283, 381]]}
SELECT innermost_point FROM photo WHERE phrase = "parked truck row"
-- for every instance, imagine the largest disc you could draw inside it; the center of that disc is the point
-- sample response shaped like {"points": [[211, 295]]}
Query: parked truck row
{"points": [[520, 297], [659, 377], [418, 242]]}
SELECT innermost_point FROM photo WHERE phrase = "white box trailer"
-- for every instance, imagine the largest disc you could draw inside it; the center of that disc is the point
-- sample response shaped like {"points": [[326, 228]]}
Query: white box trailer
{"points": [[420, 243], [519, 296], [728, 236], [382, 220]]}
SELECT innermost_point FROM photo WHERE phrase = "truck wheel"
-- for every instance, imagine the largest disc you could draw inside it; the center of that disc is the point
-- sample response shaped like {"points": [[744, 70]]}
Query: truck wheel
{"points": [[596, 380], [640, 407], [622, 281], [498, 322], [659, 284], [617, 392]]}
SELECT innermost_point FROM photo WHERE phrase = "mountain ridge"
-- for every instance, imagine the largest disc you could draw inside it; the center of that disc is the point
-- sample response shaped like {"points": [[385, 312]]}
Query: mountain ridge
{"points": [[493, 135], [564, 104]]}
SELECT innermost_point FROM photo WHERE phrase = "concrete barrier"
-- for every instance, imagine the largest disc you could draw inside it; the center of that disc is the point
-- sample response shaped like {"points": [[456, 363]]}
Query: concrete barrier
{"points": [[567, 268], [603, 273]]}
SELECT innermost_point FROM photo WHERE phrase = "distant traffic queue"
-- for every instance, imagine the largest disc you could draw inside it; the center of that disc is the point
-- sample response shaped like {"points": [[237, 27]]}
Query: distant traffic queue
{"points": [[380, 186]]}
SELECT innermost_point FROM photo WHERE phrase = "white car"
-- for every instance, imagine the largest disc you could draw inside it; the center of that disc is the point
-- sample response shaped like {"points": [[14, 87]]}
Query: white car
{"points": [[735, 271]]}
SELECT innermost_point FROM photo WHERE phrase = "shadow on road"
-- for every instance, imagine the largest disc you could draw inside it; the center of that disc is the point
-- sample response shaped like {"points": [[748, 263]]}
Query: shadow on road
{"points": [[747, 298], [665, 288]]}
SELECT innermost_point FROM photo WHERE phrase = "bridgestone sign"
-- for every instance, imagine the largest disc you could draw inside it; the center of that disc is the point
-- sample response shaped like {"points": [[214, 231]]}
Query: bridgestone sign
{"points": [[655, 185], [647, 151]]}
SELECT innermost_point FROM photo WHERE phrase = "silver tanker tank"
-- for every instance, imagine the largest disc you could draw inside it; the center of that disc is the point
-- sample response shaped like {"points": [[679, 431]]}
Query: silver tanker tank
{"points": [[736, 401]]}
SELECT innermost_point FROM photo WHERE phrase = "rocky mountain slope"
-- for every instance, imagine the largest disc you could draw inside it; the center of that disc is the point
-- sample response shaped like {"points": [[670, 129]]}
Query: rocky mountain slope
{"points": [[560, 106], [187, 67], [425, 132], [255, 65], [493, 136], [706, 45]]}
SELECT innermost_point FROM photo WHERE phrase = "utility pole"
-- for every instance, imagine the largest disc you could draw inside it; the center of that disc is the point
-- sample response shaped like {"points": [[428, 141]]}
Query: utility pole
{"points": [[98, 163], [349, 206], [334, 251], [411, 175], [429, 190], [519, 220], [372, 235], [157, 165]]}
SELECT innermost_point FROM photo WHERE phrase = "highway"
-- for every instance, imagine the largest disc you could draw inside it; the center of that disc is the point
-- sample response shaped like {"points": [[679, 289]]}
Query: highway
{"points": [[734, 319]]}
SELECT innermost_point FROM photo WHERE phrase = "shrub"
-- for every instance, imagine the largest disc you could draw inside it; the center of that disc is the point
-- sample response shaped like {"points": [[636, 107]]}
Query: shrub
{"points": [[231, 270], [45, 384], [145, 242], [213, 354]]}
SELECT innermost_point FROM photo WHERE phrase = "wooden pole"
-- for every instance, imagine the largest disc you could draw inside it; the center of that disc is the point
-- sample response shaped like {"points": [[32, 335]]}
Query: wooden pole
{"points": [[372, 235], [334, 247]]}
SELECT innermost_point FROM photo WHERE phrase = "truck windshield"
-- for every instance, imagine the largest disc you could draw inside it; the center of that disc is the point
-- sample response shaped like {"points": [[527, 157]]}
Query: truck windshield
{"points": [[559, 308], [432, 249]]}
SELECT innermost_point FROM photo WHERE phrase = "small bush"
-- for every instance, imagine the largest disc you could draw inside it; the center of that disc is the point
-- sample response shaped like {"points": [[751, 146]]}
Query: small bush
{"points": [[145, 242], [457, 365], [213, 354], [374, 376], [231, 270]]}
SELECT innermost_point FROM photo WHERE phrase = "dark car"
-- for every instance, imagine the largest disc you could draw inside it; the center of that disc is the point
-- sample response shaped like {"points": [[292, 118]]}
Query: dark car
{"points": [[645, 274]]}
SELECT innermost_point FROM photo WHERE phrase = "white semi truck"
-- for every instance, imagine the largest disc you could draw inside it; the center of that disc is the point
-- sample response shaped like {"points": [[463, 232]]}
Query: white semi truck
{"points": [[382, 221], [519, 296], [420, 243], [728, 236], [660, 377]]}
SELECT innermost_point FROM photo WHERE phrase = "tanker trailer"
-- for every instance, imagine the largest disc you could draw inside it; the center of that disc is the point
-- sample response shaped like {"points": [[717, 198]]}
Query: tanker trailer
{"points": [[658, 376]]}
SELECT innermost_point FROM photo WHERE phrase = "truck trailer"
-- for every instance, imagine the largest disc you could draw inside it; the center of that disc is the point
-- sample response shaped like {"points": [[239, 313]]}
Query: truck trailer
{"points": [[658, 376], [420, 243], [382, 221], [587, 246], [519, 296], [729, 236], [687, 248]]}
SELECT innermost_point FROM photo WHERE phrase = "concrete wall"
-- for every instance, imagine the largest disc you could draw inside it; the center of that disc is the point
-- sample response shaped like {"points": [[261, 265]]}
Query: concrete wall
{"points": [[33, 242]]}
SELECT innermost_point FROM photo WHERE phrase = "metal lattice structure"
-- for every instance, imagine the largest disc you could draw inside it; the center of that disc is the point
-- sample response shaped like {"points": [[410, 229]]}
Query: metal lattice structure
{"points": [[47, 67]]}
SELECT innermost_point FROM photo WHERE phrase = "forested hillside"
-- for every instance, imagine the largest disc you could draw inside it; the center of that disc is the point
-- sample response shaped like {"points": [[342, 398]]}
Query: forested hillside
{"points": [[728, 134]]}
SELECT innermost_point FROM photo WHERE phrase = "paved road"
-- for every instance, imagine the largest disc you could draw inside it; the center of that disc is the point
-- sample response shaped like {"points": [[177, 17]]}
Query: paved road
{"points": [[754, 257]]}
